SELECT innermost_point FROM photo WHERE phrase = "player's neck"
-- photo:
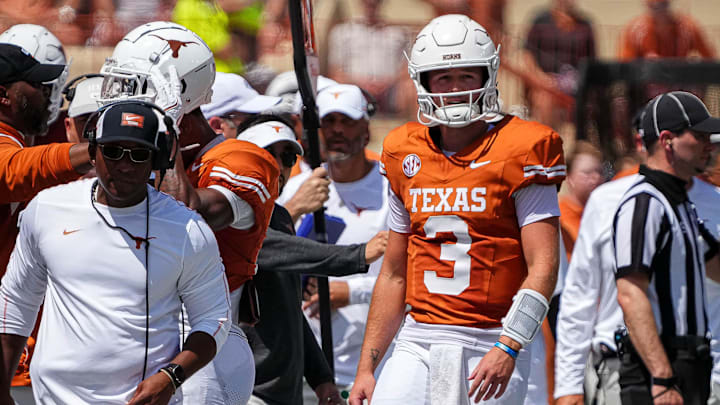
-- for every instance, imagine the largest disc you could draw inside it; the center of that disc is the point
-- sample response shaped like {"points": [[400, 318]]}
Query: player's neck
{"points": [[456, 139], [349, 170]]}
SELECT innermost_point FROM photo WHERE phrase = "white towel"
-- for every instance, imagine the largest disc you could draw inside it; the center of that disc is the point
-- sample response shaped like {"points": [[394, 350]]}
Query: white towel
{"points": [[447, 375]]}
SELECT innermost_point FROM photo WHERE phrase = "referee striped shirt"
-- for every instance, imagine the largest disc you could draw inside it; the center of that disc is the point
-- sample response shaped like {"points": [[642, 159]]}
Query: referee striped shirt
{"points": [[656, 232]]}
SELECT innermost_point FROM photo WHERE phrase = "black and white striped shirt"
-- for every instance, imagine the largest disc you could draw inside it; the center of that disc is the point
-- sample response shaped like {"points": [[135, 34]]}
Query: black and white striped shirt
{"points": [[656, 232]]}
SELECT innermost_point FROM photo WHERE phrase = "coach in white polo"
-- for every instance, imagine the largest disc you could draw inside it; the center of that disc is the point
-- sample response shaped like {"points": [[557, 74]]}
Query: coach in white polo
{"points": [[113, 259]]}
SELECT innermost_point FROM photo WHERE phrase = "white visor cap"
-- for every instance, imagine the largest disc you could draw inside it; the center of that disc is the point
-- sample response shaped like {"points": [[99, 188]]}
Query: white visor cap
{"points": [[232, 92], [270, 132], [85, 100]]}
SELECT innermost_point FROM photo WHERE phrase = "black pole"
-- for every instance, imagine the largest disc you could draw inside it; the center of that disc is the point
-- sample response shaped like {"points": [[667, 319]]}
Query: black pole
{"points": [[311, 123]]}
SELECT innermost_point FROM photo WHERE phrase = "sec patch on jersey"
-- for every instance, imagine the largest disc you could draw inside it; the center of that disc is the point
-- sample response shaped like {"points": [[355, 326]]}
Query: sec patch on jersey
{"points": [[411, 165]]}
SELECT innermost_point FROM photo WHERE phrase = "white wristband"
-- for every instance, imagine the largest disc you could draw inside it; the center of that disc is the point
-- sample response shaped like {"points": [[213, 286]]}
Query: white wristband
{"points": [[525, 316]]}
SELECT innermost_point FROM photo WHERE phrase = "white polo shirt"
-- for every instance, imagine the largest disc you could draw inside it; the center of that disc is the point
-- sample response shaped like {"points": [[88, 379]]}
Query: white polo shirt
{"points": [[91, 343]]}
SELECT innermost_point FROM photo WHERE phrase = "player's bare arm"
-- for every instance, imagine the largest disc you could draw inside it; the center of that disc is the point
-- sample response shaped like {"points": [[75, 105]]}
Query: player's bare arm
{"points": [[11, 349], [211, 204], [491, 376], [80, 158], [640, 321], [386, 312], [199, 350]]}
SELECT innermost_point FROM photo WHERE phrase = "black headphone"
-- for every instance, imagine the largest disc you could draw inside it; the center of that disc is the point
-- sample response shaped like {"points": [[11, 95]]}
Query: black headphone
{"points": [[69, 90], [164, 157]]}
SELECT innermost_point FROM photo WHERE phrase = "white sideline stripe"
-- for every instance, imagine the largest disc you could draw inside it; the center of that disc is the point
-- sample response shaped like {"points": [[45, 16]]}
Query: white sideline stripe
{"points": [[14, 140], [239, 183], [246, 179], [554, 171]]}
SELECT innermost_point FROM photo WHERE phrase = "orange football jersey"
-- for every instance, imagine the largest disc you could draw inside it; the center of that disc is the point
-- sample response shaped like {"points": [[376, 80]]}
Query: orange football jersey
{"points": [[465, 261], [251, 173]]}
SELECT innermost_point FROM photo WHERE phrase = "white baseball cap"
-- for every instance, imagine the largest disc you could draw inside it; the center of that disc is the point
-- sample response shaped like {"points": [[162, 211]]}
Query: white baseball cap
{"points": [[85, 99], [232, 92], [270, 132], [345, 99]]}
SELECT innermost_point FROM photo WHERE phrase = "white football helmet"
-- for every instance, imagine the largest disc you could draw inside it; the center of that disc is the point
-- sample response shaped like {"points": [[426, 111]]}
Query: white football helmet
{"points": [[46, 48], [149, 50], [452, 41]]}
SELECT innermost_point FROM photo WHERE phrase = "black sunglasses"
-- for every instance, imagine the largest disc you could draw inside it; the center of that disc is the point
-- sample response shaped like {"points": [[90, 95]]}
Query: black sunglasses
{"points": [[288, 157], [137, 155]]}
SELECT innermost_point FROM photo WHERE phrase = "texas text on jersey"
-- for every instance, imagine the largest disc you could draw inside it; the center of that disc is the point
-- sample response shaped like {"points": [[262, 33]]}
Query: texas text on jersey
{"points": [[466, 261]]}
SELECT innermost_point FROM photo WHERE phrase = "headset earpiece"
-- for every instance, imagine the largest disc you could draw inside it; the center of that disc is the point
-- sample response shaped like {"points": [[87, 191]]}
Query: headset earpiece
{"points": [[165, 157]]}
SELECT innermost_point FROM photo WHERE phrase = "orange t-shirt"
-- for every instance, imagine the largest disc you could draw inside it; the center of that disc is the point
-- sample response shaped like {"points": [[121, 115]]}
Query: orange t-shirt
{"points": [[643, 37], [252, 174], [570, 216], [465, 261]]}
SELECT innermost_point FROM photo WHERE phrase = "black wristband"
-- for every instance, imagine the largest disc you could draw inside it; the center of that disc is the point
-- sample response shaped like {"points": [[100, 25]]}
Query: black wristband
{"points": [[664, 382], [176, 372]]}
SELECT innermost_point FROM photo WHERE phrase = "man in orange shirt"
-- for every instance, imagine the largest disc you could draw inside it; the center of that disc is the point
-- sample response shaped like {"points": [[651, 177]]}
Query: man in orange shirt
{"points": [[24, 112], [660, 33]]}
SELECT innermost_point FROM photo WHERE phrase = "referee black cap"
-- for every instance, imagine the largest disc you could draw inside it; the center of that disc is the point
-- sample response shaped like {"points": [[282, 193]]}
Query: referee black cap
{"points": [[676, 111]]}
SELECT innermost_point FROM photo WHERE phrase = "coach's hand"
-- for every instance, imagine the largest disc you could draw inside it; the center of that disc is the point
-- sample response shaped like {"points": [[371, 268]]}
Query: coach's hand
{"points": [[339, 297], [311, 195], [576, 399], [664, 396], [363, 388], [328, 394], [492, 374], [154, 390], [376, 246]]}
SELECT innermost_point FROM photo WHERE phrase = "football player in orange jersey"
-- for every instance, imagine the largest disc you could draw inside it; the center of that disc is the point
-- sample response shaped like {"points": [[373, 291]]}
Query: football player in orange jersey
{"points": [[232, 183], [473, 246]]}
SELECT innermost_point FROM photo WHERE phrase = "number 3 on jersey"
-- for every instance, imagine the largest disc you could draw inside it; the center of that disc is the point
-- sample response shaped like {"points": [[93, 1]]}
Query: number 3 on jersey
{"points": [[457, 252]]}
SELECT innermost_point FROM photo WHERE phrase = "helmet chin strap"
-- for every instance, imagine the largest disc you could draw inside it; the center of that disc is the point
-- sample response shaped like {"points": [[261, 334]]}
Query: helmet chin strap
{"points": [[457, 115]]}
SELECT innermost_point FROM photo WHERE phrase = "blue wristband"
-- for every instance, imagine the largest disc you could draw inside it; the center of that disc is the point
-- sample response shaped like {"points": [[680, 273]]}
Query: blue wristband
{"points": [[507, 349]]}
